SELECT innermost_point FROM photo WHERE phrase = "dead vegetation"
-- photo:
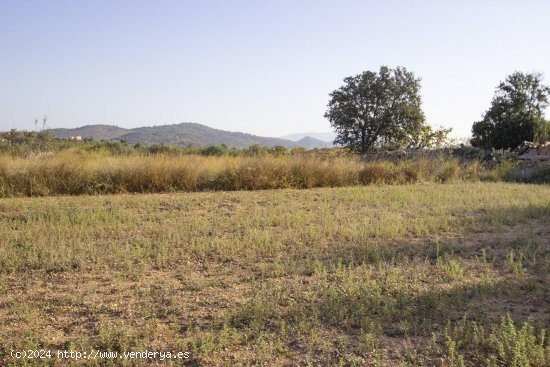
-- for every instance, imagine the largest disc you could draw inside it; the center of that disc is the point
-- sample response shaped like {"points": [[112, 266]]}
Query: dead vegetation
{"points": [[80, 173]]}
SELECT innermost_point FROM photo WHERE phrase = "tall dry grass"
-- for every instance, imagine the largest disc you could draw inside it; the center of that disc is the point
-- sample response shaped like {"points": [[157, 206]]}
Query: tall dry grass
{"points": [[77, 173]]}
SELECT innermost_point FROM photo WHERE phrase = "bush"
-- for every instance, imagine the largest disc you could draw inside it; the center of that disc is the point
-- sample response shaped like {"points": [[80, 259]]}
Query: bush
{"points": [[214, 150], [502, 171]]}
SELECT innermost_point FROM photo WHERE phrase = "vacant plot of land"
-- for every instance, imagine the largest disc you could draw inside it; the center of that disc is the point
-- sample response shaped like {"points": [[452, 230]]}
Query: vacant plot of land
{"points": [[377, 275]]}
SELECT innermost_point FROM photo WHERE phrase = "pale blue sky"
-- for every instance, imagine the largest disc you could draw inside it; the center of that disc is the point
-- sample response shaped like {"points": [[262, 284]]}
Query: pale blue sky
{"points": [[263, 67]]}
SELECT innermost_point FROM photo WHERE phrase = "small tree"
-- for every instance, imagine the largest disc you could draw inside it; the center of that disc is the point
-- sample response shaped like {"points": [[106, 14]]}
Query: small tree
{"points": [[516, 114], [380, 109], [429, 138]]}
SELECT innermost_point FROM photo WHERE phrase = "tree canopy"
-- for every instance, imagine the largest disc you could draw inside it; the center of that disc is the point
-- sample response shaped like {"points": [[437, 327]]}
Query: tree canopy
{"points": [[381, 109], [516, 114]]}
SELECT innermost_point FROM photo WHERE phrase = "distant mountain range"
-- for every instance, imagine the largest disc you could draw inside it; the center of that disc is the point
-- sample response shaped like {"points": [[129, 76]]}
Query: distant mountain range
{"points": [[327, 137], [187, 133]]}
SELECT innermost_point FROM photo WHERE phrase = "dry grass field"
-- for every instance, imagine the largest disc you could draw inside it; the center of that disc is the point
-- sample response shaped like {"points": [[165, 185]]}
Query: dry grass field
{"points": [[406, 275], [80, 172]]}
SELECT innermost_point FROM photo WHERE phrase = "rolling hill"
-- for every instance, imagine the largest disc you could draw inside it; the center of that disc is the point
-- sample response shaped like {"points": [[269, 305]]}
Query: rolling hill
{"points": [[183, 134], [96, 132]]}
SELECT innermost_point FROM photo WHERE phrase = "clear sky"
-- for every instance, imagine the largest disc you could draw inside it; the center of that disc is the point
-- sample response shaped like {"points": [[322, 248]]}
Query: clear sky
{"points": [[263, 67]]}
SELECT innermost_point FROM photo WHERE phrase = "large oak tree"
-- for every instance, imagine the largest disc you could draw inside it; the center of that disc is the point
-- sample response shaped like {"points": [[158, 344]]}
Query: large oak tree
{"points": [[381, 109]]}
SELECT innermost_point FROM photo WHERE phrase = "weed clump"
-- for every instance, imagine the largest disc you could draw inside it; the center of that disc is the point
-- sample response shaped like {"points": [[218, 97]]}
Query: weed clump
{"points": [[503, 344]]}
